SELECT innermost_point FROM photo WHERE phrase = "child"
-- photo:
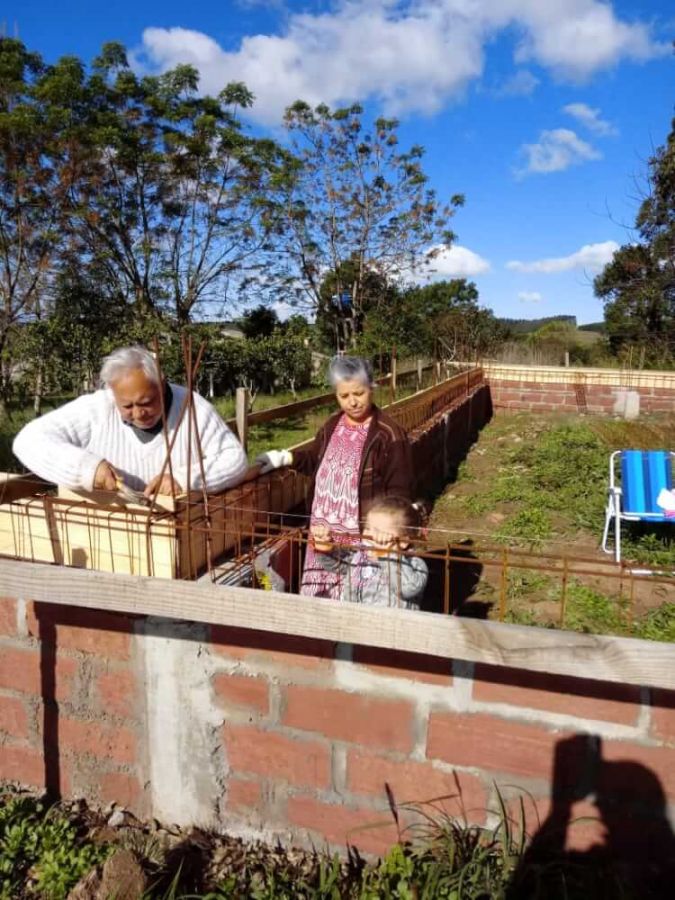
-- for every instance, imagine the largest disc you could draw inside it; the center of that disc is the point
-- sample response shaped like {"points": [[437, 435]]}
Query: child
{"points": [[376, 572]]}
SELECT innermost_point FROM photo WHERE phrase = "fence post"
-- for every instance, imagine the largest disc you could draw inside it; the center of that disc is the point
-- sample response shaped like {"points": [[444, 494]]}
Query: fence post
{"points": [[394, 372], [437, 367], [241, 413], [419, 374]]}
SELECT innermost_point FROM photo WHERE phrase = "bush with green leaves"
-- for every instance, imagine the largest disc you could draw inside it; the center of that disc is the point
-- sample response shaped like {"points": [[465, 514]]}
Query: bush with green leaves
{"points": [[42, 853]]}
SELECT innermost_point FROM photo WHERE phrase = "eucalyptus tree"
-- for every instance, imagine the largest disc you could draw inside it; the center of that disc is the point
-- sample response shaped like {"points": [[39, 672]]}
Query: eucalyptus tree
{"points": [[352, 204], [42, 120], [172, 207]]}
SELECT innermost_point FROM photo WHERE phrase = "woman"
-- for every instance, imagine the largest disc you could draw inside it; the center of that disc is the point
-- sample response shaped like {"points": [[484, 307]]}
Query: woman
{"points": [[359, 454]]}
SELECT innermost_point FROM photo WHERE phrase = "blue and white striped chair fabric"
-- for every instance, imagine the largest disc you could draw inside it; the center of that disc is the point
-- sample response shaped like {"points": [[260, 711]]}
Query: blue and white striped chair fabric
{"points": [[645, 474]]}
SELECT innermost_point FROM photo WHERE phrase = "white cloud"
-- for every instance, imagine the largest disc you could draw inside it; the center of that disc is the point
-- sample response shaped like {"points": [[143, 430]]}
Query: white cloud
{"points": [[521, 84], [556, 151], [530, 297], [458, 262], [590, 117], [412, 55], [591, 257], [575, 38]]}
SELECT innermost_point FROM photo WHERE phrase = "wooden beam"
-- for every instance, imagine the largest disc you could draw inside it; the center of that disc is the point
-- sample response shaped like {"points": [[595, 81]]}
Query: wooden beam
{"points": [[242, 415], [604, 658]]}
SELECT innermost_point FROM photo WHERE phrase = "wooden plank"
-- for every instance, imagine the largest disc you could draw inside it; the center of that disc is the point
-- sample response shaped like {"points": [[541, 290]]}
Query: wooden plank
{"points": [[604, 658]]}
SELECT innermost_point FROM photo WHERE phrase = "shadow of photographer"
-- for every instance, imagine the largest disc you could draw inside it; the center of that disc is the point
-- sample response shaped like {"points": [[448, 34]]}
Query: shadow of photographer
{"points": [[630, 844]]}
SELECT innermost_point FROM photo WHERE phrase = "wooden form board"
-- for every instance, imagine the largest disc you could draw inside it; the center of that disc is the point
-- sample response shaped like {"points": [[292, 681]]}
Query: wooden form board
{"points": [[588, 656], [87, 530]]}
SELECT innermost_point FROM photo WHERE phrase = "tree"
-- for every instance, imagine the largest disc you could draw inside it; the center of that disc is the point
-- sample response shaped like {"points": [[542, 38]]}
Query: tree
{"points": [[444, 318], [354, 205], [638, 285], [172, 205], [41, 160], [291, 361], [259, 321], [336, 319]]}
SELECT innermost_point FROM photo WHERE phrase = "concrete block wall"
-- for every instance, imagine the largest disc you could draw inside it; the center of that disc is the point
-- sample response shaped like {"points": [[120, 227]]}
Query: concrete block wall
{"points": [[276, 735]]}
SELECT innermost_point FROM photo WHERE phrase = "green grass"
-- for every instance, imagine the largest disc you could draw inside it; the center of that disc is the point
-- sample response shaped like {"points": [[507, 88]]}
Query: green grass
{"points": [[551, 483], [535, 599]]}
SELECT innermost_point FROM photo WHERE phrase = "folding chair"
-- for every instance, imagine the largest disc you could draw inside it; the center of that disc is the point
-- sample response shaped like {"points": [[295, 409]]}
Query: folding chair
{"points": [[645, 474]]}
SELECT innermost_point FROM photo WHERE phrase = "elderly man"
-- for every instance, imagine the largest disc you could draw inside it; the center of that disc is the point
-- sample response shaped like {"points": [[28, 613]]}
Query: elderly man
{"points": [[116, 433]]}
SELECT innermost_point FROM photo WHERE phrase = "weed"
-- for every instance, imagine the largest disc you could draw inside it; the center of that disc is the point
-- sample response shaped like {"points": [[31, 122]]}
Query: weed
{"points": [[531, 526], [657, 624], [592, 612]]}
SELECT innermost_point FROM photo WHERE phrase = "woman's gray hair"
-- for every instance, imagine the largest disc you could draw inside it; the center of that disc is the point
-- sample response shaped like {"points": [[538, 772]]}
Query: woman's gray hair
{"points": [[350, 368], [126, 359]]}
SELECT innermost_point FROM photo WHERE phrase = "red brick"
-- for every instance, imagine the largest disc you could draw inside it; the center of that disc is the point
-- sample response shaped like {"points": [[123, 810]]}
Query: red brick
{"points": [[663, 715], [13, 717], [240, 690], [557, 694], [7, 616], [117, 787], [277, 756], [117, 744], [416, 782], [21, 764], [244, 794], [116, 692], [278, 649], [20, 671], [639, 774], [491, 743], [371, 831], [350, 717], [415, 666], [107, 635]]}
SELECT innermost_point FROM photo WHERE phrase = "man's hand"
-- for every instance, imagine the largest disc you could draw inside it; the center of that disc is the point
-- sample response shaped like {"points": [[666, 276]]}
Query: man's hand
{"points": [[105, 477], [167, 485]]}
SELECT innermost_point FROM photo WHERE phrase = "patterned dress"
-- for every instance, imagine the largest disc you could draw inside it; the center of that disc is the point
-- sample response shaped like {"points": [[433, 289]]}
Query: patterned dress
{"points": [[336, 503]]}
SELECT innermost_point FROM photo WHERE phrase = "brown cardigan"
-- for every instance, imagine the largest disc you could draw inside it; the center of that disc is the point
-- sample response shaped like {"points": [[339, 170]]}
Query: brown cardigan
{"points": [[386, 461]]}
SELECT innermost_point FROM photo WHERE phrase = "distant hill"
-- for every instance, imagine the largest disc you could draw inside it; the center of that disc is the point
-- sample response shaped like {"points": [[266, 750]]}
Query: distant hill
{"points": [[593, 326], [526, 326]]}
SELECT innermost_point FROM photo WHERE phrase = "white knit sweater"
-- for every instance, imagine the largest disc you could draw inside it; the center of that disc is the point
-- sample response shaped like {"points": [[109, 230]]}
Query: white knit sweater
{"points": [[65, 446]]}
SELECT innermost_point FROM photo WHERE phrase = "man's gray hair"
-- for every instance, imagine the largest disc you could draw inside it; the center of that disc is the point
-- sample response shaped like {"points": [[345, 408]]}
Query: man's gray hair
{"points": [[350, 368], [126, 359]]}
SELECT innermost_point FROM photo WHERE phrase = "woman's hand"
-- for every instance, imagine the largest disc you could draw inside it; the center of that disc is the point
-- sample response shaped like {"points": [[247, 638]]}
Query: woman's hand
{"points": [[273, 459], [321, 538]]}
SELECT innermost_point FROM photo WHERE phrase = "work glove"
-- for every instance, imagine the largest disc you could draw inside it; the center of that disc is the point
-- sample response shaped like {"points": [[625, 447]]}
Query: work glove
{"points": [[273, 459]]}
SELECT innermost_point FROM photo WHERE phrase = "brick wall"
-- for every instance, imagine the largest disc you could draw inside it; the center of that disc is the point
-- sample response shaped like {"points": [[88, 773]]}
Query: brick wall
{"points": [[304, 733], [71, 704], [545, 389], [590, 398]]}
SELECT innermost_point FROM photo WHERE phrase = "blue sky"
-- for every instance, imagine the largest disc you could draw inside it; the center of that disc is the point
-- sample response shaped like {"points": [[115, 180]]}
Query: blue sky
{"points": [[542, 112]]}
